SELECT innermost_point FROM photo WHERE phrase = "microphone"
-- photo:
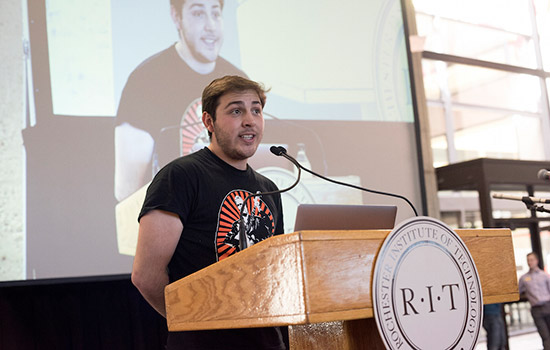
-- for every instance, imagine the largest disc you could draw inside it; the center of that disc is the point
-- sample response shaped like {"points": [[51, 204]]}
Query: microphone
{"points": [[544, 174], [525, 199], [278, 151], [281, 151]]}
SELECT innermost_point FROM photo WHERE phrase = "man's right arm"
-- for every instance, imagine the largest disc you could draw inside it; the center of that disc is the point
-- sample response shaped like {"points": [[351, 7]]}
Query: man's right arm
{"points": [[159, 233]]}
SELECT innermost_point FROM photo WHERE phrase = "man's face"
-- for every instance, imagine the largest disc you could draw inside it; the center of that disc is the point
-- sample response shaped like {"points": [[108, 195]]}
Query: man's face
{"points": [[532, 261], [201, 27], [238, 128]]}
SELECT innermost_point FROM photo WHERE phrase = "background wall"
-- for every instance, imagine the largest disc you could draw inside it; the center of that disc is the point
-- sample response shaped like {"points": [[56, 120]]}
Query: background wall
{"points": [[11, 158]]}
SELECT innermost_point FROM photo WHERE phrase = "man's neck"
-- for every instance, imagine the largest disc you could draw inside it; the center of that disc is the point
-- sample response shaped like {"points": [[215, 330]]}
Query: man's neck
{"points": [[196, 65], [237, 164]]}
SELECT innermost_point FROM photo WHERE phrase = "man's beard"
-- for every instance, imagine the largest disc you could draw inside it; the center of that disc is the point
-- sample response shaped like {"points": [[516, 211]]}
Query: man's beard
{"points": [[224, 141]]}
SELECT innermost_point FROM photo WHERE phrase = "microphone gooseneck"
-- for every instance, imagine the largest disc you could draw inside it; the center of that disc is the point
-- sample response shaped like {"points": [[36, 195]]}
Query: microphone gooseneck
{"points": [[527, 200], [281, 151]]}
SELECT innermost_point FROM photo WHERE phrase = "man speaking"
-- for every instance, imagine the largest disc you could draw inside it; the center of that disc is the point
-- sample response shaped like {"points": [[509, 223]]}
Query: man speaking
{"points": [[191, 206]]}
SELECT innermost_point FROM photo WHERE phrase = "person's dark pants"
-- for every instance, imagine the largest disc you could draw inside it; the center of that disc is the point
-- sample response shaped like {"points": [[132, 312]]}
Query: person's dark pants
{"points": [[496, 336], [541, 316]]}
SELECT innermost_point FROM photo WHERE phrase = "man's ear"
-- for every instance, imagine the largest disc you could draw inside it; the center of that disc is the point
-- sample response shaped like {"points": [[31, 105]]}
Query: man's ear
{"points": [[208, 121]]}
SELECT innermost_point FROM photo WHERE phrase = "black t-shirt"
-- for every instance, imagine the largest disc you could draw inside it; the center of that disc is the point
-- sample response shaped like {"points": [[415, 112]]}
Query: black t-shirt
{"points": [[157, 95], [205, 192]]}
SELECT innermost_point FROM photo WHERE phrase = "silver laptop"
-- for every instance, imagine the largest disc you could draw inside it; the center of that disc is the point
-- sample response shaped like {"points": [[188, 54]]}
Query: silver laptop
{"points": [[344, 217]]}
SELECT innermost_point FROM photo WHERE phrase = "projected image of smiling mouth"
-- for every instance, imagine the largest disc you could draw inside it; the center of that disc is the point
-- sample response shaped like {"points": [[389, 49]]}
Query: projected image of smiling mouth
{"points": [[210, 41]]}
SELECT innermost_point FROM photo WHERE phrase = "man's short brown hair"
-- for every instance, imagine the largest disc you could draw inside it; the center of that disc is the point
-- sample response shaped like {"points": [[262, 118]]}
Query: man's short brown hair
{"points": [[230, 83], [178, 5]]}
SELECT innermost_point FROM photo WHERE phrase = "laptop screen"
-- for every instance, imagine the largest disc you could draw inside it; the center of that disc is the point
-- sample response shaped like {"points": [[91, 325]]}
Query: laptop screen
{"points": [[344, 217]]}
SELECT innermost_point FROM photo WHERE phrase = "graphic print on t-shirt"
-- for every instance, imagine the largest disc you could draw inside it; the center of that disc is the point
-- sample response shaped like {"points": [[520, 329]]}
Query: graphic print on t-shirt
{"points": [[193, 131], [258, 220]]}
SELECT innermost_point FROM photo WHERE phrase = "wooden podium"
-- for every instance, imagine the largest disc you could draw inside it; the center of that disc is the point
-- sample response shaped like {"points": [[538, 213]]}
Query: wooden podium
{"points": [[318, 283]]}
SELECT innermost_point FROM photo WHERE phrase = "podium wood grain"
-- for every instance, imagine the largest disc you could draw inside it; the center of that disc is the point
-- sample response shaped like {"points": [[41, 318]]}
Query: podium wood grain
{"points": [[312, 277]]}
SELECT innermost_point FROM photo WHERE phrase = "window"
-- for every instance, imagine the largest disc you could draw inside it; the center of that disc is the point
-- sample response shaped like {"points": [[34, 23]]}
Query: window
{"points": [[484, 78]]}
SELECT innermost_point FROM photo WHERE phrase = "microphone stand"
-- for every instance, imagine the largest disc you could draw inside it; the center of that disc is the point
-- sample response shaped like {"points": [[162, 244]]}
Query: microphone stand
{"points": [[364, 189], [243, 242], [530, 204], [538, 208], [281, 151]]}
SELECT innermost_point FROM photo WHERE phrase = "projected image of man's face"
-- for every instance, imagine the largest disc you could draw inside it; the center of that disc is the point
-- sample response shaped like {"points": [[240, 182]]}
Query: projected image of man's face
{"points": [[201, 28]]}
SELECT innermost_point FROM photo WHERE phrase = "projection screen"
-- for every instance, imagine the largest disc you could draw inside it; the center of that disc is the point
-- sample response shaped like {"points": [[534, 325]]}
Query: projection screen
{"points": [[340, 100]]}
